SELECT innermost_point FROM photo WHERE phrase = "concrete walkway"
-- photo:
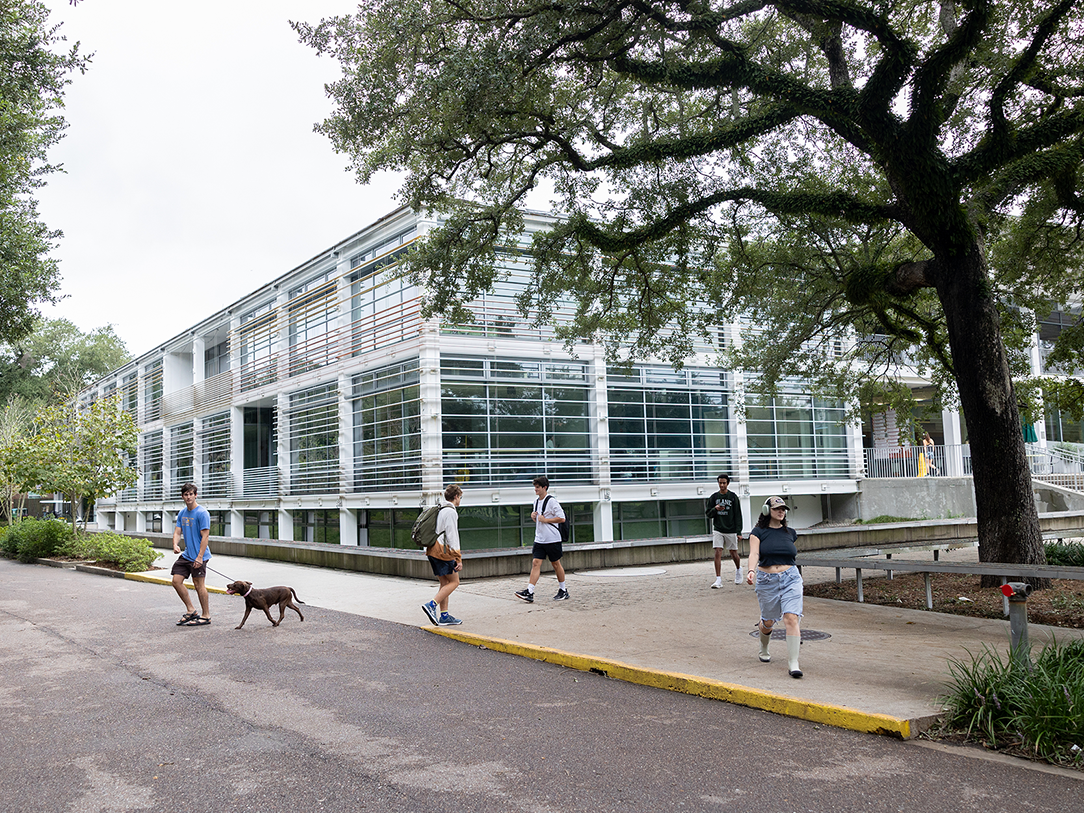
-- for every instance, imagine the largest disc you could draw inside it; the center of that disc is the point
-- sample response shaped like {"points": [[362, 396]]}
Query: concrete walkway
{"points": [[881, 670]]}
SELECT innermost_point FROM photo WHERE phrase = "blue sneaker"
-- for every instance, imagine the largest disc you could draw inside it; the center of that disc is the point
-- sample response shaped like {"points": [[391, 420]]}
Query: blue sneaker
{"points": [[430, 609], [448, 620]]}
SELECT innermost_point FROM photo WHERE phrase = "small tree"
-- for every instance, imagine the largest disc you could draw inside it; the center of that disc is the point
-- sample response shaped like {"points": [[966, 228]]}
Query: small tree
{"points": [[15, 463], [85, 453]]}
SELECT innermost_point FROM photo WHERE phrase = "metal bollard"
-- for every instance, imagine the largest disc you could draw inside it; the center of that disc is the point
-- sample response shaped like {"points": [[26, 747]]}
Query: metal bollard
{"points": [[1017, 593]]}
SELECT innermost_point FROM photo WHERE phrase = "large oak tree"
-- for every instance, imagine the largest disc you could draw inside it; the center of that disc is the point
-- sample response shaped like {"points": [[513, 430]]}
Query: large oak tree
{"points": [[858, 155], [35, 65]]}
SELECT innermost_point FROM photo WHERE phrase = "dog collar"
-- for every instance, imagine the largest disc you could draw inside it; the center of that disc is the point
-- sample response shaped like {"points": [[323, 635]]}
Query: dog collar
{"points": [[246, 594]]}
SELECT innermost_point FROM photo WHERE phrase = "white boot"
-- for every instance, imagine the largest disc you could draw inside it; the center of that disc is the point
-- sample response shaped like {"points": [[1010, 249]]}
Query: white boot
{"points": [[793, 643]]}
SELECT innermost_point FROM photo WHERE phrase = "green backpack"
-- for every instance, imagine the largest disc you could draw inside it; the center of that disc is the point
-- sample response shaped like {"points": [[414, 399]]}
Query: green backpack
{"points": [[424, 532]]}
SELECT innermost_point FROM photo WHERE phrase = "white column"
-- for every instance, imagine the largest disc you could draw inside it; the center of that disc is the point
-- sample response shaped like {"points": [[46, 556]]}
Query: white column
{"points": [[432, 441], [604, 517], [950, 424], [199, 372], [348, 526], [237, 452], [282, 444]]}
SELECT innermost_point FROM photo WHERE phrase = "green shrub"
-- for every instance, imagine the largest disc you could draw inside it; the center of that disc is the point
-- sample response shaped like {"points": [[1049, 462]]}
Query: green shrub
{"points": [[1005, 703], [130, 554], [35, 538], [9, 542], [1065, 554]]}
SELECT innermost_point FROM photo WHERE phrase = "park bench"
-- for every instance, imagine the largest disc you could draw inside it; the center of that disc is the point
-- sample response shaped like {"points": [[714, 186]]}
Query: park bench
{"points": [[1006, 570]]}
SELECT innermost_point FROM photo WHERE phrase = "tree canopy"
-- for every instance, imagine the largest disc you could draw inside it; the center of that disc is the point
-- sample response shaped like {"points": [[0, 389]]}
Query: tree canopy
{"points": [[56, 359], [34, 69], [824, 167]]}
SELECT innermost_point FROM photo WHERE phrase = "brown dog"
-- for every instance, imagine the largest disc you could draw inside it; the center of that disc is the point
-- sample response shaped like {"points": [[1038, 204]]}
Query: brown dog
{"points": [[265, 599]]}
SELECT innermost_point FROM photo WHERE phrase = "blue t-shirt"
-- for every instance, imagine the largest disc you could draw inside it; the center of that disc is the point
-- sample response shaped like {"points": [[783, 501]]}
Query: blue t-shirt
{"points": [[192, 523]]}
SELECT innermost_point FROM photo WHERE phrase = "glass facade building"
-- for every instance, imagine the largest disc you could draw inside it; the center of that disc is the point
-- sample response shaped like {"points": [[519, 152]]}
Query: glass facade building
{"points": [[324, 408]]}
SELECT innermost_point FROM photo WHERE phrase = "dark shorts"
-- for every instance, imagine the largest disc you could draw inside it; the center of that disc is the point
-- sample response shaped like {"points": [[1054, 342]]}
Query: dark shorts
{"points": [[551, 551], [189, 569], [440, 567]]}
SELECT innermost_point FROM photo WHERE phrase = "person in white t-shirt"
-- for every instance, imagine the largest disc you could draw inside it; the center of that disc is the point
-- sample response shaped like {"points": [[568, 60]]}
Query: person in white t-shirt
{"points": [[547, 515]]}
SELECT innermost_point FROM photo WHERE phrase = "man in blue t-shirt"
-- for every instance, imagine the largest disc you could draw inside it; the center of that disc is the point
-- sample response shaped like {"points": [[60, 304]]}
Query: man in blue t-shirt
{"points": [[194, 527]]}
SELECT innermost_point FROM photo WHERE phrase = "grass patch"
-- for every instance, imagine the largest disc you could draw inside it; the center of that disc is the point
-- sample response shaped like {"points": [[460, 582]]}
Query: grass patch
{"points": [[885, 518], [1037, 711]]}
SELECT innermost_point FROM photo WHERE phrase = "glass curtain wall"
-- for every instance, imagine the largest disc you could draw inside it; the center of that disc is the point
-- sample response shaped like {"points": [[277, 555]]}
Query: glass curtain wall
{"points": [[667, 425], [506, 422], [795, 435], [387, 428]]}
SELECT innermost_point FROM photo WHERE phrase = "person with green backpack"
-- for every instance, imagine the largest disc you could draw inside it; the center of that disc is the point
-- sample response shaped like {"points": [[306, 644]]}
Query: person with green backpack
{"points": [[445, 558]]}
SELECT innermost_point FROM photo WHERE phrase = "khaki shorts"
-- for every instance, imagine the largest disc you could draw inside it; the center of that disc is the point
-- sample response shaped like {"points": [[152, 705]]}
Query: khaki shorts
{"points": [[720, 540]]}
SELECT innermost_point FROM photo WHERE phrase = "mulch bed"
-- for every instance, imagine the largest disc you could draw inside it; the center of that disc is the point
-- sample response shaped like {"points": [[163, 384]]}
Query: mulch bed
{"points": [[959, 594]]}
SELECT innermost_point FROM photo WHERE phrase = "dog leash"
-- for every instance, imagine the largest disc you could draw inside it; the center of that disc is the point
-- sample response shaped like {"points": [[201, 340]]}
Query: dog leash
{"points": [[223, 575]]}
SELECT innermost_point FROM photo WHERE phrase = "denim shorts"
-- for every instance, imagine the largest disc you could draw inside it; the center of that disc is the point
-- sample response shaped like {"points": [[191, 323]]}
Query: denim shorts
{"points": [[441, 567], [779, 593]]}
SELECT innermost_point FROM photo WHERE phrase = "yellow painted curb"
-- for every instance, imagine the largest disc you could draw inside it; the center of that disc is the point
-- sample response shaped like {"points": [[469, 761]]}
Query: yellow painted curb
{"points": [[825, 713], [139, 577]]}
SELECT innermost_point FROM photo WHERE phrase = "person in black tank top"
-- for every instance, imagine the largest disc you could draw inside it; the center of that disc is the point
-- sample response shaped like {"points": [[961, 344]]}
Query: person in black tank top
{"points": [[773, 569]]}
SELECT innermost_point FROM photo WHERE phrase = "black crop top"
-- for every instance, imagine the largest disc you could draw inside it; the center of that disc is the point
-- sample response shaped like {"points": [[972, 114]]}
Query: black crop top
{"points": [[776, 546]]}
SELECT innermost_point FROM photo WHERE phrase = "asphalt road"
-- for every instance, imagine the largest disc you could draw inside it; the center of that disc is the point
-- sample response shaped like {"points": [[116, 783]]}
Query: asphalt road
{"points": [[107, 707]]}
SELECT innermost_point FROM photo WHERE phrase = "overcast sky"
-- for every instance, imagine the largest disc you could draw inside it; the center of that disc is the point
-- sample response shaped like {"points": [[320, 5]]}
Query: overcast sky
{"points": [[193, 175]]}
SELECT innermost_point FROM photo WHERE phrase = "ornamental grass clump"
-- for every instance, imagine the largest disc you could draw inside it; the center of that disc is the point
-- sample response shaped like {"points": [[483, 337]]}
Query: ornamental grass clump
{"points": [[1065, 554], [1011, 705]]}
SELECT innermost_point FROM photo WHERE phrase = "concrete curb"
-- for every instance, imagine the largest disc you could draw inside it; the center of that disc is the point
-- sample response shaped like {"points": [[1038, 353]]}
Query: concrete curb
{"points": [[139, 577], [825, 713]]}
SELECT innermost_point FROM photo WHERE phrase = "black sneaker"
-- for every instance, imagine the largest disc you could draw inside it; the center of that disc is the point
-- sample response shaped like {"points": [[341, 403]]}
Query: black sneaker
{"points": [[526, 595], [562, 595]]}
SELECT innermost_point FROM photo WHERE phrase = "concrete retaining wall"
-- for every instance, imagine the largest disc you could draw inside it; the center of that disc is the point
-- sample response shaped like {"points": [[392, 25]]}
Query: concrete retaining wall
{"points": [[412, 564], [918, 497]]}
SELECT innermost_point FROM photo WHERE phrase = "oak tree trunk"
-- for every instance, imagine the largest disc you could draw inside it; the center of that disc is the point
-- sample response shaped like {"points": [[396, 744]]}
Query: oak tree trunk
{"points": [[1008, 523]]}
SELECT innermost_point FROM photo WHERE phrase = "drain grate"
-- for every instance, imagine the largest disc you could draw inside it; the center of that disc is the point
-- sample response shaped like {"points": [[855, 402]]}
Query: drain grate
{"points": [[780, 634]]}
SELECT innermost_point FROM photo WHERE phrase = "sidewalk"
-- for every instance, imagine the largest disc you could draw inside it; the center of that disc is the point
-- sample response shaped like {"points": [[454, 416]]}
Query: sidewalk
{"points": [[881, 669]]}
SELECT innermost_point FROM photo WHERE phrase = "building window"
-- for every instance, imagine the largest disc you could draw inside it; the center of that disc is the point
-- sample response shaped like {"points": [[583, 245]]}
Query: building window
{"points": [[181, 451], [317, 526], [129, 395], [152, 391], [215, 448], [261, 524], [314, 440], [384, 304], [387, 427], [216, 359], [796, 435], [154, 522], [312, 310], [152, 466], [523, 419], [388, 527], [256, 337], [668, 425], [658, 519], [220, 523]]}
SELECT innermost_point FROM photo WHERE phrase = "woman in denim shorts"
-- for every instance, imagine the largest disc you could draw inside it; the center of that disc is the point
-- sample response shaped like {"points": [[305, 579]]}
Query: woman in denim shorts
{"points": [[772, 556]]}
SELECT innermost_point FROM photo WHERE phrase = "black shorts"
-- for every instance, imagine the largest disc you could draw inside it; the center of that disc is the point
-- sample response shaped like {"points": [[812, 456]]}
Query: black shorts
{"points": [[189, 569], [441, 567], [549, 550]]}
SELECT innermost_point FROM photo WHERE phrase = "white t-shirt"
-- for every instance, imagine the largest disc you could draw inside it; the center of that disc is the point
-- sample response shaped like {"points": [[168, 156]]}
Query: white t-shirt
{"points": [[546, 533], [448, 525]]}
